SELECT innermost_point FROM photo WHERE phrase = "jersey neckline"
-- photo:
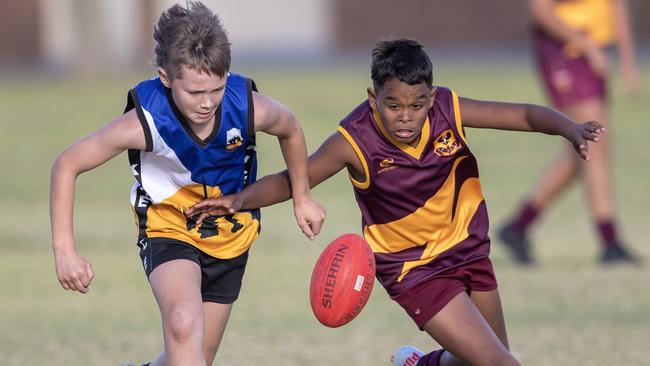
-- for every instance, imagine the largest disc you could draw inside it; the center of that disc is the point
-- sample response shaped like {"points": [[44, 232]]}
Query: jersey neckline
{"points": [[186, 126]]}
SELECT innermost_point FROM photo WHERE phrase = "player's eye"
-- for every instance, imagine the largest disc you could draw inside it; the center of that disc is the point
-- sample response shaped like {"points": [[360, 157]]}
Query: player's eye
{"points": [[393, 107], [417, 106]]}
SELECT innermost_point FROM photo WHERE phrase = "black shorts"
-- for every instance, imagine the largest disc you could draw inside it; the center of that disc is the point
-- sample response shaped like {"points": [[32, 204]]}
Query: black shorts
{"points": [[221, 279]]}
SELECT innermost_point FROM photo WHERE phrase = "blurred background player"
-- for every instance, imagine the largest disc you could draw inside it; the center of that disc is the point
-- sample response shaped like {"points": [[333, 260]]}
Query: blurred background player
{"points": [[416, 183], [191, 135], [570, 37]]}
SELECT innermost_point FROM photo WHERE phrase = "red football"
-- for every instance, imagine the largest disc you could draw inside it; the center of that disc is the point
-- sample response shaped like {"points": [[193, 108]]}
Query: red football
{"points": [[342, 280]]}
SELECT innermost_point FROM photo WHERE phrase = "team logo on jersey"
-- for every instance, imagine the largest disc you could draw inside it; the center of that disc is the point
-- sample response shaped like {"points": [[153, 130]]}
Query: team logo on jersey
{"points": [[233, 138], [386, 162], [386, 165], [446, 144], [210, 225]]}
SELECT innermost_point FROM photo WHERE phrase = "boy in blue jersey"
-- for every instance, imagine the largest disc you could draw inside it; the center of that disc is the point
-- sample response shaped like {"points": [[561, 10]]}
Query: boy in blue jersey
{"points": [[190, 133]]}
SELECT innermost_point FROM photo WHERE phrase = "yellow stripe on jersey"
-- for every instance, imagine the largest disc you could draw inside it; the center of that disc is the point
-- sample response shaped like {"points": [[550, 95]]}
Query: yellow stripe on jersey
{"points": [[416, 229], [167, 220], [415, 152], [459, 122], [366, 183], [594, 17]]}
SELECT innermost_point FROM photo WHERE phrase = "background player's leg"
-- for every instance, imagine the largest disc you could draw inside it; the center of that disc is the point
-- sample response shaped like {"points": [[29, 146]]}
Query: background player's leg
{"points": [[177, 288], [597, 175], [216, 319], [597, 171], [556, 177], [462, 331]]}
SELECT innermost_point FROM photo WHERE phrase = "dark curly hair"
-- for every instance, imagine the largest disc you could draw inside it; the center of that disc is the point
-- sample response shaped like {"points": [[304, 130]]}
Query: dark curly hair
{"points": [[404, 59]]}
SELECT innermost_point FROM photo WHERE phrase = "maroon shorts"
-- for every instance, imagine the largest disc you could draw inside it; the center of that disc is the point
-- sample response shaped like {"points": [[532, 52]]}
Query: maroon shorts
{"points": [[568, 80], [426, 299]]}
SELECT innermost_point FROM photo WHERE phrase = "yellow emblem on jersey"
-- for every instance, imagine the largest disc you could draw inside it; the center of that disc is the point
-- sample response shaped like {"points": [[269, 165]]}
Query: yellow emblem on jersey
{"points": [[446, 144], [386, 162]]}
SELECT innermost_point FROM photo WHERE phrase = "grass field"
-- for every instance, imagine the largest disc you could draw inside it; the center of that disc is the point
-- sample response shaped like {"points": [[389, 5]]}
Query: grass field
{"points": [[568, 310]]}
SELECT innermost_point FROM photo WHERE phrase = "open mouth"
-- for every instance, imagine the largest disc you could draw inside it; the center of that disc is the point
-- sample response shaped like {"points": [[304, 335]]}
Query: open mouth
{"points": [[404, 134]]}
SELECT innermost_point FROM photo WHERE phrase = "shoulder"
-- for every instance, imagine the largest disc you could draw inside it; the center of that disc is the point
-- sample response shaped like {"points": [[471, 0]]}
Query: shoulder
{"points": [[130, 125], [444, 95], [359, 114], [270, 114], [125, 132]]}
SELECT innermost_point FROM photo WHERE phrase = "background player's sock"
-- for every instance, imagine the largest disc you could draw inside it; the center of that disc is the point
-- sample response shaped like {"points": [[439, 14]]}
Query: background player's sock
{"points": [[526, 216], [607, 231], [613, 249], [513, 234]]}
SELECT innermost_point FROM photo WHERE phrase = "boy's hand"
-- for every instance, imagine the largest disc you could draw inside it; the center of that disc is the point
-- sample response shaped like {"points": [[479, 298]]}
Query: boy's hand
{"points": [[73, 271], [221, 206], [583, 132], [310, 215]]}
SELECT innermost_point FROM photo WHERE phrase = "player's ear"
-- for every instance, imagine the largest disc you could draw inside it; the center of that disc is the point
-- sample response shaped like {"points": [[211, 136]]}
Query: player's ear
{"points": [[432, 96], [372, 98], [164, 77]]}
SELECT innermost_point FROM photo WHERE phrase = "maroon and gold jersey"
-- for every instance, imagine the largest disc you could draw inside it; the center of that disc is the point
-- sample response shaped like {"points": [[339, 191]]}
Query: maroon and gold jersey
{"points": [[592, 17], [422, 207]]}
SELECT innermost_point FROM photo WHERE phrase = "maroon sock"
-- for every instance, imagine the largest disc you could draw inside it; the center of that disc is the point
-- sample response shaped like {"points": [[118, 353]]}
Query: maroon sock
{"points": [[431, 359], [527, 215], [607, 231]]}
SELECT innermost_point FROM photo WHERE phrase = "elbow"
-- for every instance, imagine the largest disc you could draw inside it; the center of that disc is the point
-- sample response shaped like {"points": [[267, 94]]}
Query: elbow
{"points": [[64, 164], [293, 128]]}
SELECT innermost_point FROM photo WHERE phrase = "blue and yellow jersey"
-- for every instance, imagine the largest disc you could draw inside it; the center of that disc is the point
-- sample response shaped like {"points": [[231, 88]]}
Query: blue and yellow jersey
{"points": [[422, 207], [592, 17], [177, 169]]}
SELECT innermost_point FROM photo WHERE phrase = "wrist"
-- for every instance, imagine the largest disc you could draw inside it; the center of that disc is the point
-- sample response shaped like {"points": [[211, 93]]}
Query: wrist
{"points": [[567, 130], [63, 247], [302, 196]]}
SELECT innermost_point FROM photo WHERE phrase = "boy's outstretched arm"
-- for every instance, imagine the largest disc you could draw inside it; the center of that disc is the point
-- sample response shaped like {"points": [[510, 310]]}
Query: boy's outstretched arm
{"points": [[332, 156], [73, 271], [275, 119], [529, 117]]}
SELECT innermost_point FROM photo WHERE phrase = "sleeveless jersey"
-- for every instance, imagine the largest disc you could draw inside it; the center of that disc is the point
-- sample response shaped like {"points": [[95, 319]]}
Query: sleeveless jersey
{"points": [[593, 17], [422, 207], [178, 169]]}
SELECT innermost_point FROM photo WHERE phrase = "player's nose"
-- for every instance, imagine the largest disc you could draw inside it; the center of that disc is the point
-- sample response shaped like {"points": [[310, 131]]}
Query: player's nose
{"points": [[206, 102], [406, 116]]}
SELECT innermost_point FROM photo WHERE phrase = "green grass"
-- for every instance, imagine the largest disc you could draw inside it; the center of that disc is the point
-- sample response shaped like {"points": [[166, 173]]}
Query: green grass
{"points": [[567, 311]]}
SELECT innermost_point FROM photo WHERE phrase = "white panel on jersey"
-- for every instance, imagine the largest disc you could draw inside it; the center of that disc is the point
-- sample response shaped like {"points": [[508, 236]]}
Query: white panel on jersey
{"points": [[162, 173]]}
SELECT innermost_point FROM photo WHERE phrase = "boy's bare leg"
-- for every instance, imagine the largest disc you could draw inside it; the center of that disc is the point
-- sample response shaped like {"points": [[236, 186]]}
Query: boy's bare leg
{"points": [[177, 288], [216, 319], [467, 336], [488, 304]]}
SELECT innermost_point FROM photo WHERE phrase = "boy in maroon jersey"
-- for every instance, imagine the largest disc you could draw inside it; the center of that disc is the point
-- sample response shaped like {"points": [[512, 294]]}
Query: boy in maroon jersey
{"points": [[416, 183]]}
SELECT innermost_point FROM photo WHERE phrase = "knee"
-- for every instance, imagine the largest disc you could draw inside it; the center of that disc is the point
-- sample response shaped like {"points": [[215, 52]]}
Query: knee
{"points": [[183, 323]]}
